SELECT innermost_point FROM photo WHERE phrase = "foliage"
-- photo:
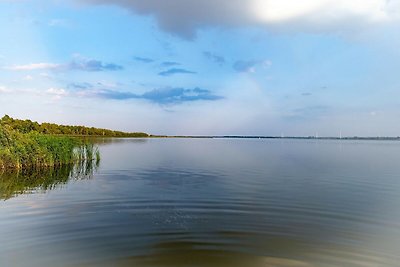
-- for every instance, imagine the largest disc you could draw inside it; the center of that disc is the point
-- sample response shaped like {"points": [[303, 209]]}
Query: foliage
{"points": [[33, 150], [28, 126]]}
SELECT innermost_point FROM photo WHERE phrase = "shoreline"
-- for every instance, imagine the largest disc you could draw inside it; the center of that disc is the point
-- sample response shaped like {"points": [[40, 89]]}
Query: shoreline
{"points": [[258, 137]]}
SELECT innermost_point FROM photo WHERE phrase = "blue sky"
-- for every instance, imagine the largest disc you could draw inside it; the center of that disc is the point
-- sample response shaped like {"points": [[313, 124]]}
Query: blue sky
{"points": [[257, 67]]}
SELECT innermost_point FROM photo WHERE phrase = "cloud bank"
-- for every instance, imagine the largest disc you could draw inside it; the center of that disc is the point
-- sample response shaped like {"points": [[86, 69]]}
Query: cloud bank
{"points": [[91, 65], [36, 66], [250, 65], [159, 96], [4, 89], [144, 59], [184, 17], [169, 64], [174, 71]]}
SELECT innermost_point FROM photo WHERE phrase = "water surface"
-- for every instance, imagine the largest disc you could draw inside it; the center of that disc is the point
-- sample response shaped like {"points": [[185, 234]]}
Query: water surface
{"points": [[210, 202]]}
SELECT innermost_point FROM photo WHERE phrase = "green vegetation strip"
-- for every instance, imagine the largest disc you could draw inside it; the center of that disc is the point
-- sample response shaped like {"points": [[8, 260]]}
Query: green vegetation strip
{"points": [[34, 150], [27, 126]]}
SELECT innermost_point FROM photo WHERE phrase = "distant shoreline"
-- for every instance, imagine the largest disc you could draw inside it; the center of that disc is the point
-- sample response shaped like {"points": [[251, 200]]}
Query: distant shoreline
{"points": [[275, 137]]}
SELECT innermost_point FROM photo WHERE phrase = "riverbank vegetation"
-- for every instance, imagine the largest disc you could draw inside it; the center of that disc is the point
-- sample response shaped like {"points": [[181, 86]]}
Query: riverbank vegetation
{"points": [[25, 144], [27, 126], [34, 150]]}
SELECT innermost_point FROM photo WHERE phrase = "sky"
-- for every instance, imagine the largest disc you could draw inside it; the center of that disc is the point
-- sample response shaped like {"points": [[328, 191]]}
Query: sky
{"points": [[210, 67]]}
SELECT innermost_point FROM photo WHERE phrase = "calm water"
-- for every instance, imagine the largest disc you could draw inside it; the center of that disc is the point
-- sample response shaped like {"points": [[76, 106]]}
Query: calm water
{"points": [[210, 202]]}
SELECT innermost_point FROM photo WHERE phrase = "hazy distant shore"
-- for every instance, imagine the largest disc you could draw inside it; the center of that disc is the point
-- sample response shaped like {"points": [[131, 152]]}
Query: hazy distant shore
{"points": [[277, 137]]}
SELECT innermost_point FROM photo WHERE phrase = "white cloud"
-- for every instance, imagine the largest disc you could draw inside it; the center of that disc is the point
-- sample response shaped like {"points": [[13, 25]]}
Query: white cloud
{"points": [[3, 89], [45, 75], [90, 65], [57, 91], [183, 17], [342, 16], [27, 78], [36, 66], [285, 10]]}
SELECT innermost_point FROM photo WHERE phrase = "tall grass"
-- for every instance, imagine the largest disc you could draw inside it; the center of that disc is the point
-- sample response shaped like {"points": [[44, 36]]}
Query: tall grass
{"points": [[34, 150]]}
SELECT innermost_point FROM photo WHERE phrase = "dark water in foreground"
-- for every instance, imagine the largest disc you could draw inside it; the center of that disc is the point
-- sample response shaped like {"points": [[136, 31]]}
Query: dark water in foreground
{"points": [[211, 202]]}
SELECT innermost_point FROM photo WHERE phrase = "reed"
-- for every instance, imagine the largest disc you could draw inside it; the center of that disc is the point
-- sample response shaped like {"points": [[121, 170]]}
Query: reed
{"points": [[34, 150]]}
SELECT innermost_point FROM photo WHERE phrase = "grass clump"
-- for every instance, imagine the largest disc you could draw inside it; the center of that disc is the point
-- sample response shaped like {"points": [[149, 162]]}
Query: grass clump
{"points": [[34, 150]]}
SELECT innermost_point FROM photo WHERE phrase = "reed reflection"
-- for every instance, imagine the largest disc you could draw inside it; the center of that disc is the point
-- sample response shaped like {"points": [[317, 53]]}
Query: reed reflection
{"points": [[14, 183]]}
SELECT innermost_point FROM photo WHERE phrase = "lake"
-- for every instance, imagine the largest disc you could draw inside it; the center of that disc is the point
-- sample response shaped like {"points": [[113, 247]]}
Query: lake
{"points": [[210, 202]]}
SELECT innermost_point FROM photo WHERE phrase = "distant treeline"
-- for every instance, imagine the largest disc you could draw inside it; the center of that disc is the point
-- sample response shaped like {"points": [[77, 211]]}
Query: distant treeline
{"points": [[28, 126]]}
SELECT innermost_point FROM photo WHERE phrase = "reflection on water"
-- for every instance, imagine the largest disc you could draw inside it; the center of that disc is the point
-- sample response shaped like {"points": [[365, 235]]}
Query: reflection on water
{"points": [[196, 254], [205, 202], [110, 141], [13, 183]]}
